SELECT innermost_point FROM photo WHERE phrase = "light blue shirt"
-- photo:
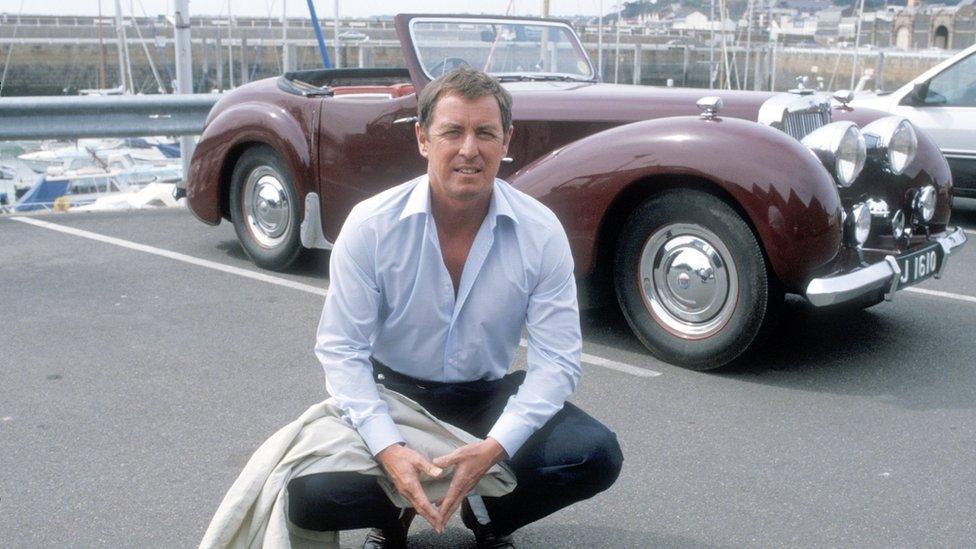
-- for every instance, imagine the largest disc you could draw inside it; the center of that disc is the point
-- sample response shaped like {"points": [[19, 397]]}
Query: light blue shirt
{"points": [[391, 296]]}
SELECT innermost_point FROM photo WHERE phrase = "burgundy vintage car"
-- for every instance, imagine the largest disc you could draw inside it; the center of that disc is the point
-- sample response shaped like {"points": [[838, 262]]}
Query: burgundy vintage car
{"points": [[695, 214]]}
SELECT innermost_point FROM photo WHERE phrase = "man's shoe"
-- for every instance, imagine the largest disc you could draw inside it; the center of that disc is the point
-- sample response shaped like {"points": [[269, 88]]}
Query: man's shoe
{"points": [[390, 538], [484, 535], [485, 538], [378, 539]]}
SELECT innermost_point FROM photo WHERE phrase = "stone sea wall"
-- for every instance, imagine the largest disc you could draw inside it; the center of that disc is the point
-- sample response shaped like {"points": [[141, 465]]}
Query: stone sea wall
{"points": [[46, 60]]}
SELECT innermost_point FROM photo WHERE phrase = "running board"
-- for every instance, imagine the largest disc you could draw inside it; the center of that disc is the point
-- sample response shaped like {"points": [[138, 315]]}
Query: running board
{"points": [[311, 231]]}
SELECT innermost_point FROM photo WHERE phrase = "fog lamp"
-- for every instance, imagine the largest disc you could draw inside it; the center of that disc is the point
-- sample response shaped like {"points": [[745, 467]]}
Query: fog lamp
{"points": [[924, 203], [898, 224], [859, 224]]}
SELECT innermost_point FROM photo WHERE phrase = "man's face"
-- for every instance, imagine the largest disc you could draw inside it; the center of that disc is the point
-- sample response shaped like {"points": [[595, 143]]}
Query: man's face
{"points": [[464, 146]]}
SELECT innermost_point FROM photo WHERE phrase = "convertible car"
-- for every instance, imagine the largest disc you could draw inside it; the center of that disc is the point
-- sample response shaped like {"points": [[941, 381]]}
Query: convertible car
{"points": [[693, 210]]}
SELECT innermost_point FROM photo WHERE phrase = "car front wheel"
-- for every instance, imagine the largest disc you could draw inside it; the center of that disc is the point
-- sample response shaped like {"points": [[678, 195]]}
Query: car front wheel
{"points": [[692, 280], [264, 209]]}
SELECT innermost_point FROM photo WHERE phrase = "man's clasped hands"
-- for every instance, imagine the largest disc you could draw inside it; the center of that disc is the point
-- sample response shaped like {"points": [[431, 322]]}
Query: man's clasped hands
{"points": [[406, 468]]}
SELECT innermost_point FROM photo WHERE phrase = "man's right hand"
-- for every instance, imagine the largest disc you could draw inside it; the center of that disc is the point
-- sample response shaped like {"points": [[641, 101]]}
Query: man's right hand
{"points": [[405, 467]]}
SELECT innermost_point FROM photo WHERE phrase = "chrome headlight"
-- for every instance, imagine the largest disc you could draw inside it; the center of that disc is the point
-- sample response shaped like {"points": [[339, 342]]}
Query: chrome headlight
{"points": [[924, 203], [892, 142], [840, 146], [859, 224]]}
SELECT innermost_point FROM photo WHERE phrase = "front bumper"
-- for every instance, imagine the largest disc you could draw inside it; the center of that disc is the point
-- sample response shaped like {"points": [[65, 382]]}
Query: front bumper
{"points": [[881, 276]]}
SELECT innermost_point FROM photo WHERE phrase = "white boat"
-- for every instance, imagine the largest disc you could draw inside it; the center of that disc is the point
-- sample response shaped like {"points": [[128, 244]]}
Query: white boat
{"points": [[8, 189], [15, 180], [67, 188], [82, 153]]}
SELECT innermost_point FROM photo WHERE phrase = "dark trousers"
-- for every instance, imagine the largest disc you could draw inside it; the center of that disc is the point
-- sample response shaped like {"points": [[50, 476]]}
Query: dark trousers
{"points": [[571, 458]]}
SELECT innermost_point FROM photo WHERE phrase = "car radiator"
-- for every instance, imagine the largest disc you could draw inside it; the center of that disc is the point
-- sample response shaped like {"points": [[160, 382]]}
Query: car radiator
{"points": [[799, 124]]}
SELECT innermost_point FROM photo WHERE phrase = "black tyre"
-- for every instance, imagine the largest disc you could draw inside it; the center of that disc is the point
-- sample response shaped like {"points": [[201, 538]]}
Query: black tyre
{"points": [[265, 209], [692, 280]]}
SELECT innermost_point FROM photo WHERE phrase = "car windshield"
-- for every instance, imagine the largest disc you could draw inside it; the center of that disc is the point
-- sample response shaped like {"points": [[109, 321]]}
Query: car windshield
{"points": [[511, 50], [956, 86]]}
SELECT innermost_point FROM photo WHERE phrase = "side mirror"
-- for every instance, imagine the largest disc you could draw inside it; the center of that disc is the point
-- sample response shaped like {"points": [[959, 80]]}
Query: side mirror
{"points": [[917, 95]]}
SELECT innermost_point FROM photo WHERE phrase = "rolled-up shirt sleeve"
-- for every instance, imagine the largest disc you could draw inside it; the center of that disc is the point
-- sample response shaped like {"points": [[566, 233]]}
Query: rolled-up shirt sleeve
{"points": [[554, 347], [343, 341]]}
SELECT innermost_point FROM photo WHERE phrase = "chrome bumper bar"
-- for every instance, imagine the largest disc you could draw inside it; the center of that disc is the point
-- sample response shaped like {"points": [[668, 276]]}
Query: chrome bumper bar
{"points": [[831, 290]]}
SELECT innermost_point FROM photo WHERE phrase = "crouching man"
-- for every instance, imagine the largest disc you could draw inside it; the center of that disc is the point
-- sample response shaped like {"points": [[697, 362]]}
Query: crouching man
{"points": [[431, 284]]}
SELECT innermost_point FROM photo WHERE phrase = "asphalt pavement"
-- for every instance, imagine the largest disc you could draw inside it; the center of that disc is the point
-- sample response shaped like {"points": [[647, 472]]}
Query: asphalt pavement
{"points": [[139, 370]]}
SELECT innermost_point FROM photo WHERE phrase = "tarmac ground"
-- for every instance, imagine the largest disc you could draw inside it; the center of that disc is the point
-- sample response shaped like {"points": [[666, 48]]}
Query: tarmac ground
{"points": [[143, 358]]}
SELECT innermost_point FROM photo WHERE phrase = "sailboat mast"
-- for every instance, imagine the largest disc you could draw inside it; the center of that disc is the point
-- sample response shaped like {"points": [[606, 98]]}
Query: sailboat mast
{"points": [[745, 83], [120, 41], [285, 58], [599, 43], [616, 59], [711, 45], [101, 49], [128, 61], [230, 46], [857, 45], [335, 34], [145, 49]]}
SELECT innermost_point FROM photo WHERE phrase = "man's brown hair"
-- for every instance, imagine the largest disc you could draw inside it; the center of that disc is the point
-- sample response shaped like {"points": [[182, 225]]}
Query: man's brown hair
{"points": [[467, 83]]}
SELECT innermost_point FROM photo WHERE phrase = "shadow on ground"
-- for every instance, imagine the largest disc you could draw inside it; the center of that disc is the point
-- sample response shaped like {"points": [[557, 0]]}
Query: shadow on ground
{"points": [[894, 352], [607, 326], [558, 535], [314, 263]]}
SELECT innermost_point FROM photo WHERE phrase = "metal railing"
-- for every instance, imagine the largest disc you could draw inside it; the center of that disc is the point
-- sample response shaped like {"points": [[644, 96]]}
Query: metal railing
{"points": [[72, 117]]}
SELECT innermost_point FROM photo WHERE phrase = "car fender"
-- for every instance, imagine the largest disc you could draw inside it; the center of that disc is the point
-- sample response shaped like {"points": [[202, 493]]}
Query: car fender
{"points": [[785, 193], [226, 135], [930, 167]]}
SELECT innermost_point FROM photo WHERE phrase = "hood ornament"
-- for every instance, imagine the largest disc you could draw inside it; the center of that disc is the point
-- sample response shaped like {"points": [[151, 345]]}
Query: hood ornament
{"points": [[801, 86], [843, 97], [710, 106]]}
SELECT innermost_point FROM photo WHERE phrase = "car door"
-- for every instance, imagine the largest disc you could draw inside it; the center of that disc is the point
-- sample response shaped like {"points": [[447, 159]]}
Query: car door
{"points": [[366, 145], [946, 109]]}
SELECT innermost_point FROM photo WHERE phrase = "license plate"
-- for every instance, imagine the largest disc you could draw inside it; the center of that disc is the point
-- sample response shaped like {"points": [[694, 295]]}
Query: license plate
{"points": [[919, 265]]}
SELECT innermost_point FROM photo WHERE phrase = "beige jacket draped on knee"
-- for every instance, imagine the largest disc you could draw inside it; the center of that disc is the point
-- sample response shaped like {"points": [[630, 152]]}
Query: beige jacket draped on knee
{"points": [[254, 511]]}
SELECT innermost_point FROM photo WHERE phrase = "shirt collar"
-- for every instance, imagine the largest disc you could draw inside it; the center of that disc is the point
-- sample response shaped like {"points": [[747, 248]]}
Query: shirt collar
{"points": [[418, 202], [500, 206]]}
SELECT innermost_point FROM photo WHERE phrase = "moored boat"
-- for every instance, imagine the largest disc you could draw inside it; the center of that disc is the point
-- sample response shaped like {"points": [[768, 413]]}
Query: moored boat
{"points": [[67, 188]]}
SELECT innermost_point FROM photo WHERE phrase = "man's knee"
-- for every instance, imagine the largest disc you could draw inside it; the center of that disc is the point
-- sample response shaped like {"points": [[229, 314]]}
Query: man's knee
{"points": [[602, 462], [338, 501], [584, 458]]}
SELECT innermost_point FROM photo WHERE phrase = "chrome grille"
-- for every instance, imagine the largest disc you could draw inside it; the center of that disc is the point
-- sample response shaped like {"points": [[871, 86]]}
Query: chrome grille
{"points": [[799, 124], [794, 113]]}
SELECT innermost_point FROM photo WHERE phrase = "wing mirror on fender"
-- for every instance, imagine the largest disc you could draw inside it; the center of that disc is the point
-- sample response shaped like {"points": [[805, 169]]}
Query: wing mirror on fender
{"points": [[917, 96]]}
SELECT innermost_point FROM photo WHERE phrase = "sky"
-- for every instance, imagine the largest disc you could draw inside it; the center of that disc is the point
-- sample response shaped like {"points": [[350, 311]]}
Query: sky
{"points": [[299, 8]]}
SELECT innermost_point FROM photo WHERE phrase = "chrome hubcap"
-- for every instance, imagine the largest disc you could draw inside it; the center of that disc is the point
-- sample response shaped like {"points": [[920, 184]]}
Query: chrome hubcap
{"points": [[688, 281], [266, 207]]}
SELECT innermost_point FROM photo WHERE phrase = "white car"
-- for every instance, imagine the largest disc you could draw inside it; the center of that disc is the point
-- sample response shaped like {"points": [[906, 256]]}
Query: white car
{"points": [[942, 101]]}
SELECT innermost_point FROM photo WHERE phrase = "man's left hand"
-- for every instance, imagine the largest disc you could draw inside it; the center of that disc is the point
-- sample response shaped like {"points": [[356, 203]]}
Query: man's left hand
{"points": [[470, 463]]}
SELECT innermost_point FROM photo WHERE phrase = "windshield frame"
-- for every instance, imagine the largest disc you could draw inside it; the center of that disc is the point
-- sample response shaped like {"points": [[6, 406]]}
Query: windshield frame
{"points": [[574, 41]]}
